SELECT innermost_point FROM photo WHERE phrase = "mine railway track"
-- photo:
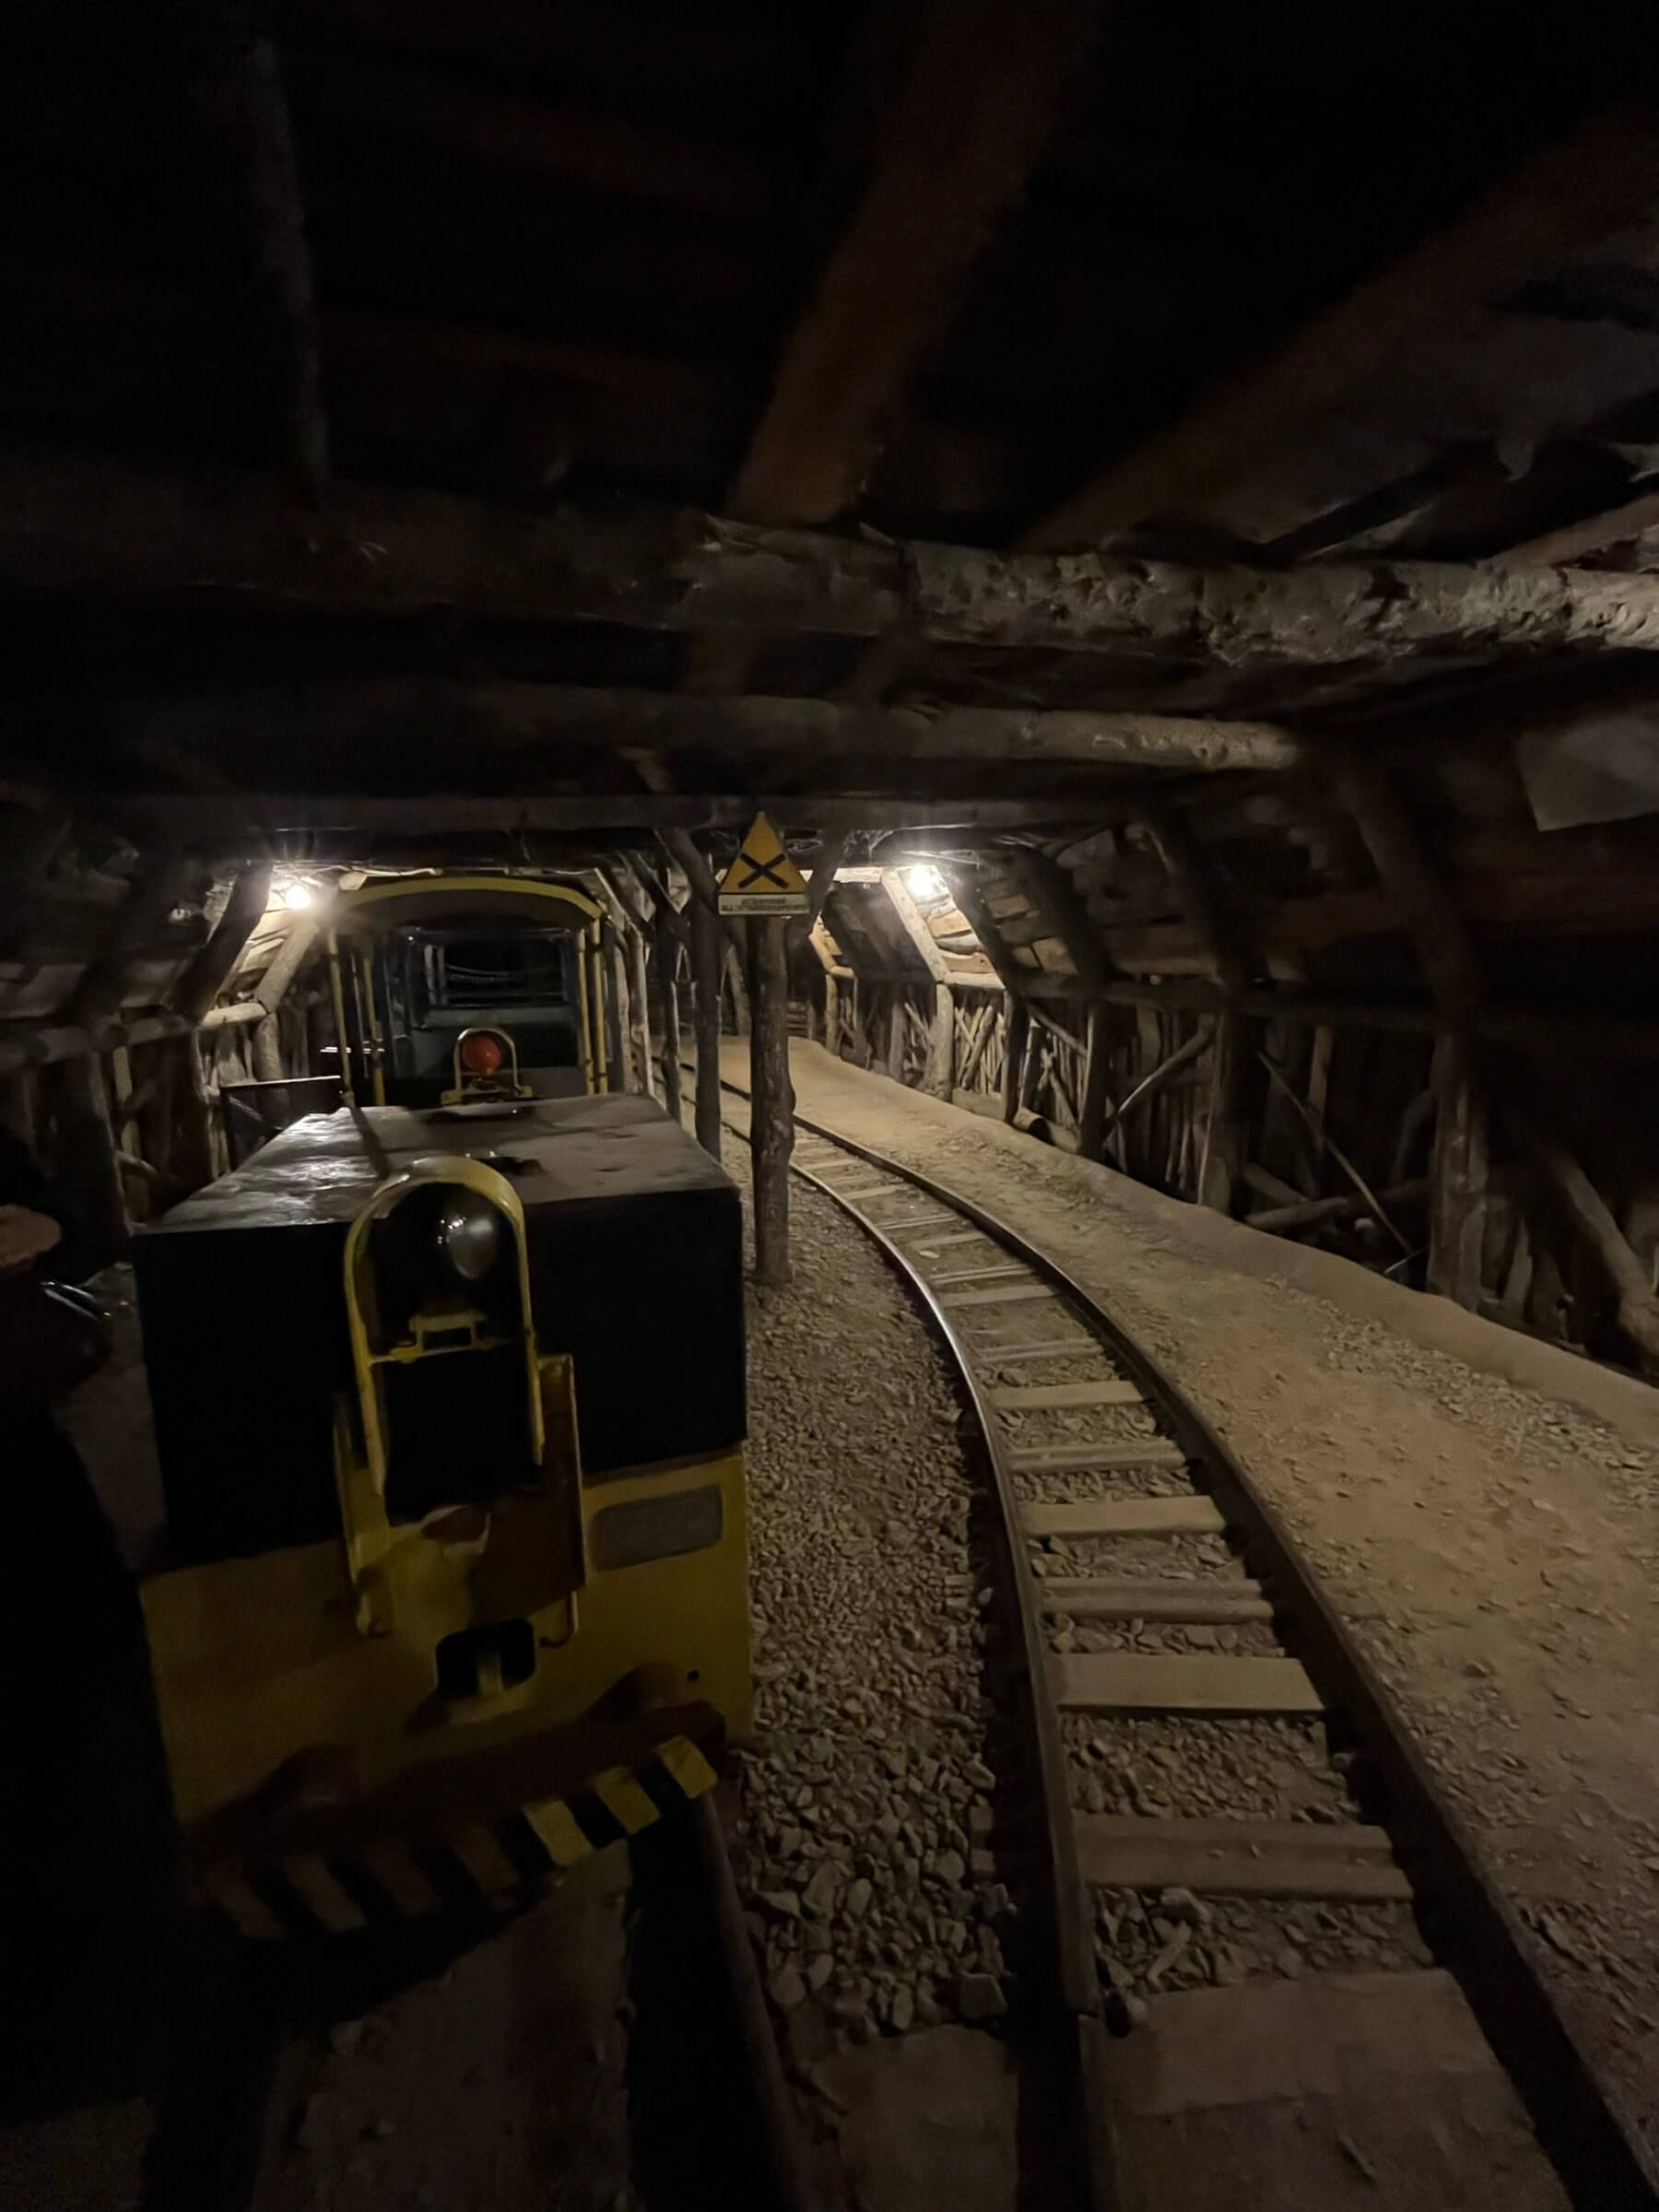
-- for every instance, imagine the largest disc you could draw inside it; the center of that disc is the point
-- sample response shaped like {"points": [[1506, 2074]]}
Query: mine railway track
{"points": [[1146, 1474]]}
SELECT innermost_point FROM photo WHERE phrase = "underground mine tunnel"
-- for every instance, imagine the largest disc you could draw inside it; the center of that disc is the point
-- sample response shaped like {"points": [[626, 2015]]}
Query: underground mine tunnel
{"points": [[829, 1190]]}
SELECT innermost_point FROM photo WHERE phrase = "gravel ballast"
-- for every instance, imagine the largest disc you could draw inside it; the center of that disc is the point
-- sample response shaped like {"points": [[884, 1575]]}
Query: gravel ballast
{"points": [[882, 1762]]}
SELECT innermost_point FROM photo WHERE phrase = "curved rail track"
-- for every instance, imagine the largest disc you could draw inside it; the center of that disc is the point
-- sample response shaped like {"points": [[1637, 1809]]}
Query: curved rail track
{"points": [[1100, 1465]]}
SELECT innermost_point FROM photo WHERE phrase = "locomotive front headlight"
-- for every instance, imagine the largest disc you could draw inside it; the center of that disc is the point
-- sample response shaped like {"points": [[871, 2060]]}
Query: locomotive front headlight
{"points": [[469, 1235]]}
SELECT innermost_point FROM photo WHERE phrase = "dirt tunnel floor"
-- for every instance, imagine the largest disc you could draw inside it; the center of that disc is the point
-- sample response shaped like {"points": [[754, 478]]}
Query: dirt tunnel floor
{"points": [[1492, 1543]]}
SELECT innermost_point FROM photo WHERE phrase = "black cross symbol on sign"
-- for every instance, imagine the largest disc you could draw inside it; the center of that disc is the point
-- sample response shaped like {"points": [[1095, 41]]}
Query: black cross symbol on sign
{"points": [[769, 869]]}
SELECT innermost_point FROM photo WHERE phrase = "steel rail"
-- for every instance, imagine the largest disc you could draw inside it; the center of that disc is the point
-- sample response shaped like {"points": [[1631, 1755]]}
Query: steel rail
{"points": [[1473, 1930], [1074, 1925]]}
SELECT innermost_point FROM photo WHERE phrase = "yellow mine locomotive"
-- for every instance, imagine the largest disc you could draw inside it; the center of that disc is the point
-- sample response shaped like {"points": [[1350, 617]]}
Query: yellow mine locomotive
{"points": [[457, 1579], [416, 961]]}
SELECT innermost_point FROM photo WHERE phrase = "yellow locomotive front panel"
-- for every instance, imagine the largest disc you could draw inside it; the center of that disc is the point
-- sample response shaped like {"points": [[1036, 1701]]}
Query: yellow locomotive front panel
{"points": [[524, 1629]]}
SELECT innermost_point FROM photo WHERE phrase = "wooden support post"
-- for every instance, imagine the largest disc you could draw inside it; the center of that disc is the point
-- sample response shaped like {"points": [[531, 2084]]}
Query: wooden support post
{"points": [[711, 949], [1096, 1077], [1225, 1136], [666, 944], [1017, 1024], [639, 1026], [628, 933], [124, 1115], [771, 1096], [940, 1077], [1226, 1121], [618, 1020], [740, 989], [88, 1163], [1457, 1206], [265, 1051], [1055, 900], [707, 949], [941, 1028], [818, 936], [895, 1038]]}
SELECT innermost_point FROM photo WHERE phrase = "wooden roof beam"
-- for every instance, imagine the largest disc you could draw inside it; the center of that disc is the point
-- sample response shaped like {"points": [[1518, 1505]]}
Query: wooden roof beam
{"points": [[975, 910], [1563, 201], [979, 95], [981, 86], [85, 525], [1193, 874], [1054, 898], [914, 926], [601, 152], [1594, 534], [380, 716], [244, 110]]}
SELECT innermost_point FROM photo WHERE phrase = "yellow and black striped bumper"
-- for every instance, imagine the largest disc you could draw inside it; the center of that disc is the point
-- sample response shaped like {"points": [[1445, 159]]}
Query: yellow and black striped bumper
{"points": [[340, 1869]]}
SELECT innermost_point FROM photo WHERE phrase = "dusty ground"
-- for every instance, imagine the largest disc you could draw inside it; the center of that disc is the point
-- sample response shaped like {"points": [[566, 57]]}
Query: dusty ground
{"points": [[1492, 1541], [500, 2082]]}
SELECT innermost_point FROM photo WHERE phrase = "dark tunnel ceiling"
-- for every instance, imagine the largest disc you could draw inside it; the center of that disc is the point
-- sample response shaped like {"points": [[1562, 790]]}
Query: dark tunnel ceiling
{"points": [[566, 252]]}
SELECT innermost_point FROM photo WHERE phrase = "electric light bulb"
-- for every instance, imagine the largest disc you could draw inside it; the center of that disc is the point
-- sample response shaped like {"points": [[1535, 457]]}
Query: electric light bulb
{"points": [[925, 883]]}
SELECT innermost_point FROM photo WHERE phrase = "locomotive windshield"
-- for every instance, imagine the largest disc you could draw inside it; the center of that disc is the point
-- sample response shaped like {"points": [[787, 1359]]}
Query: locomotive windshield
{"points": [[453, 969], [436, 979]]}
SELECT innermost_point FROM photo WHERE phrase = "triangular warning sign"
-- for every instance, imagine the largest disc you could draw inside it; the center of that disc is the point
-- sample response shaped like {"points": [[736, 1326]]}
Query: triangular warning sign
{"points": [[762, 879]]}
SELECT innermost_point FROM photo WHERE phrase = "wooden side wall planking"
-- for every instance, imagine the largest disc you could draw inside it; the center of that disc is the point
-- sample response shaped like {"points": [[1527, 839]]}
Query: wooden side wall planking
{"points": [[1367, 1140]]}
